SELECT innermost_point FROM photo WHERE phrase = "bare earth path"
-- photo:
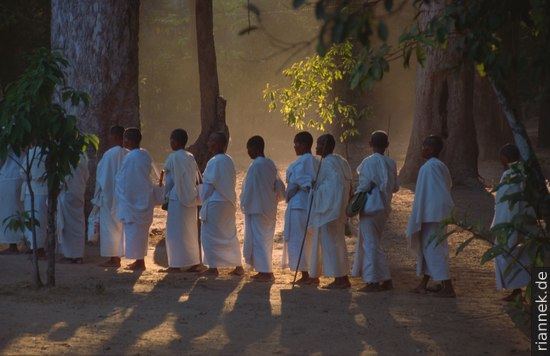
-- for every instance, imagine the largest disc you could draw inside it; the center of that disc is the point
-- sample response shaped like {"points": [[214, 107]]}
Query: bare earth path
{"points": [[99, 311]]}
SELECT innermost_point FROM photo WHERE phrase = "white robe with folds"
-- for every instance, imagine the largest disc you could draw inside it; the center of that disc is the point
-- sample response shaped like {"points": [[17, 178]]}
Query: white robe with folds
{"points": [[10, 197], [432, 202], [328, 217], [504, 213], [71, 223], [182, 236], [370, 260], [299, 178], [39, 186], [111, 237], [135, 201], [259, 198], [218, 231]]}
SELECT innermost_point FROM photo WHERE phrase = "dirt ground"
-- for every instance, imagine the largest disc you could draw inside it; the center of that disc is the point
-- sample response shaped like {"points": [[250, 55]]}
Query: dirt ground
{"points": [[100, 311]]}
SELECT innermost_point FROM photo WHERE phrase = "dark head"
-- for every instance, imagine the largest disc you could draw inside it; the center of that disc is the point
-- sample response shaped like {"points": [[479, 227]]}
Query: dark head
{"points": [[178, 139], [379, 141], [255, 147], [432, 146], [132, 138], [509, 153], [325, 145], [217, 142], [116, 135], [302, 143]]}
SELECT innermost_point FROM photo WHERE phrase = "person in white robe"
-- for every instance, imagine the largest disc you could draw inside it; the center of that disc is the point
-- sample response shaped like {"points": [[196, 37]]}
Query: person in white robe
{"points": [[328, 216], [432, 203], [34, 162], [300, 176], [262, 189], [507, 276], [10, 196], [135, 192], [377, 174], [111, 236], [218, 230], [182, 235], [71, 222]]}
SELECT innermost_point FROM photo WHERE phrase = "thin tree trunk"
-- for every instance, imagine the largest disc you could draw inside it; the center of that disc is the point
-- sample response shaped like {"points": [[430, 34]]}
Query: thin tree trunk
{"points": [[52, 240], [37, 281], [100, 40], [212, 104]]}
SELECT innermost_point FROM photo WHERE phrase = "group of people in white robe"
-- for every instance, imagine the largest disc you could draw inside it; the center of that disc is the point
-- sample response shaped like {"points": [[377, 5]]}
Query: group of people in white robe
{"points": [[317, 192]]}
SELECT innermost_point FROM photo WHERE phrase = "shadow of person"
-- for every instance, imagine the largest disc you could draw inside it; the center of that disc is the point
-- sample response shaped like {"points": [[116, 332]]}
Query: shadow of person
{"points": [[250, 324], [201, 313]]}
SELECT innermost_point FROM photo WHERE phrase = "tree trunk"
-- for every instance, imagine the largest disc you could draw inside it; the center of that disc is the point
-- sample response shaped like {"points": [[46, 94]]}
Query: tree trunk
{"points": [[492, 130], [51, 237], [212, 104], [100, 40], [444, 107]]}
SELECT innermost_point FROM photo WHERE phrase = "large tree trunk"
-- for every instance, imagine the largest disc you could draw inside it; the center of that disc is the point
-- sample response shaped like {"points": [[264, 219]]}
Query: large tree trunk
{"points": [[444, 107], [212, 104], [100, 40], [491, 127]]}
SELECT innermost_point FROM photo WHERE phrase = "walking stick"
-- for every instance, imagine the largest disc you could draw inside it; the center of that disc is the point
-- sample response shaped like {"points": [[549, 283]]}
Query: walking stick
{"points": [[307, 220]]}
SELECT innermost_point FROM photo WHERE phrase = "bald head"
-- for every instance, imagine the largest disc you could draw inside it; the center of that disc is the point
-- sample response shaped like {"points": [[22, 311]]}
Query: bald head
{"points": [[217, 142], [325, 145]]}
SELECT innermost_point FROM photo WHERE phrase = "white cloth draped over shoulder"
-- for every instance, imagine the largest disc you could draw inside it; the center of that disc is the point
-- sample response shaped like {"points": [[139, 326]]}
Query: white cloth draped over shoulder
{"points": [[182, 243], [39, 186], [328, 217], [504, 213], [71, 223], [110, 227], [218, 231], [370, 260], [331, 192], [259, 197], [300, 176], [432, 199], [10, 196], [136, 200]]}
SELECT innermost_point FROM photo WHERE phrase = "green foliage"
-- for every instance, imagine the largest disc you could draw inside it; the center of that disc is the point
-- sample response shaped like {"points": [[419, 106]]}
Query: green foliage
{"points": [[31, 114], [529, 224], [311, 88], [21, 221]]}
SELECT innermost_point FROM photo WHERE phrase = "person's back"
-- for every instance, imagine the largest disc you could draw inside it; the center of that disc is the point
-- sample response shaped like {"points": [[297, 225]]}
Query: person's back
{"points": [[378, 177], [10, 194]]}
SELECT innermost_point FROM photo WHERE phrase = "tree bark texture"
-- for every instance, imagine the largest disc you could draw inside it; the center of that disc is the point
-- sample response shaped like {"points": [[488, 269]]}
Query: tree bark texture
{"points": [[51, 238], [444, 107], [212, 104], [100, 40], [492, 129]]}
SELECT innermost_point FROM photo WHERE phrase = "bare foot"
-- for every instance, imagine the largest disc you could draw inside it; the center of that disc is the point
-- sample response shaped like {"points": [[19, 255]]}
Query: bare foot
{"points": [[338, 285], [113, 262], [238, 271], [386, 285], [313, 281], [170, 270], [370, 287], [197, 268], [264, 277], [435, 288], [210, 272], [138, 265], [445, 293], [419, 290]]}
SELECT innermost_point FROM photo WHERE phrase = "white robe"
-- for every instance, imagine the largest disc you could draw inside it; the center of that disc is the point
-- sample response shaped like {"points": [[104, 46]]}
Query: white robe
{"points": [[40, 190], [111, 235], [432, 202], [299, 177], [71, 227], [328, 217], [218, 231], [182, 240], [135, 201], [370, 260], [259, 198], [10, 196], [504, 213]]}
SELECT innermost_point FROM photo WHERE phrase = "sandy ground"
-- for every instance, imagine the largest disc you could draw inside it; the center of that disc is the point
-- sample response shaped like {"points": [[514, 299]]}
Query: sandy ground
{"points": [[100, 311]]}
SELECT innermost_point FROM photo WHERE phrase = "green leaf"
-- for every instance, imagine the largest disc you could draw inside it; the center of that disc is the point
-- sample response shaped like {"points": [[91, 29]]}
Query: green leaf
{"points": [[383, 31]]}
